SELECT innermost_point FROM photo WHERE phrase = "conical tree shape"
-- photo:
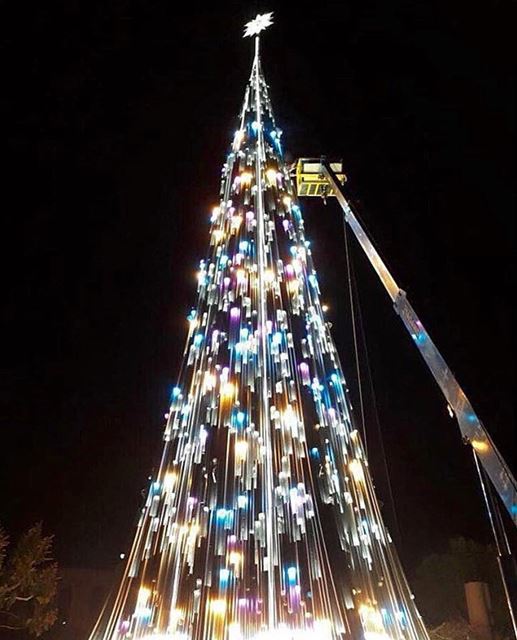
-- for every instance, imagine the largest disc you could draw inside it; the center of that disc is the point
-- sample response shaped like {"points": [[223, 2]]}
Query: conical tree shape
{"points": [[259, 442]]}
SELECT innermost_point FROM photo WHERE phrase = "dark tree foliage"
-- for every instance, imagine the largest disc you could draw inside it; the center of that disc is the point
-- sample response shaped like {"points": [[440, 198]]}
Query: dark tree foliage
{"points": [[28, 583]]}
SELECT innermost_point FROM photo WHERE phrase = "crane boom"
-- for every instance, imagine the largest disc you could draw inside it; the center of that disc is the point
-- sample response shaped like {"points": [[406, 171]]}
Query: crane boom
{"points": [[471, 427]]}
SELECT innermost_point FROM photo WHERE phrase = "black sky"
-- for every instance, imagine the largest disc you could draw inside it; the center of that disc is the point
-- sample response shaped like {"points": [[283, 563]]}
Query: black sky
{"points": [[117, 118]]}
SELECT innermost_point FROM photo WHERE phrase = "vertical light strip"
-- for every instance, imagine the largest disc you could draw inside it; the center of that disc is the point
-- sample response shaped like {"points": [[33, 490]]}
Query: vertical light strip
{"points": [[265, 429]]}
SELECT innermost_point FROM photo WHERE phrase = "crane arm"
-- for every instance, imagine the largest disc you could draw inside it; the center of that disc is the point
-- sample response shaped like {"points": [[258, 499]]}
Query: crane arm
{"points": [[471, 427]]}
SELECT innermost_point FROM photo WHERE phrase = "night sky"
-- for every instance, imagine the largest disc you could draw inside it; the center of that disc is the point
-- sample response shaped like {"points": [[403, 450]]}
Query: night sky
{"points": [[118, 116]]}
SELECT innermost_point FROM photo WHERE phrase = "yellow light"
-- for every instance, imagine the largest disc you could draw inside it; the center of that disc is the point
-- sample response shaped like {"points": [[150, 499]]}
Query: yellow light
{"points": [[144, 594], [246, 178], [293, 286], [372, 623], [324, 308], [235, 558], [218, 235], [479, 445], [287, 201], [241, 276], [227, 391], [218, 607], [241, 449], [170, 480], [356, 469], [269, 275], [271, 175]]}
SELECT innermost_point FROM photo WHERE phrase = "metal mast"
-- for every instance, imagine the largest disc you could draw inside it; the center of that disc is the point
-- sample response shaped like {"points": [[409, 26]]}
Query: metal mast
{"points": [[265, 424]]}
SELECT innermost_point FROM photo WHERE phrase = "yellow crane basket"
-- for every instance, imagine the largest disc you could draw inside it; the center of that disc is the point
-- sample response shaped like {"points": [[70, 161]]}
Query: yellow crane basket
{"points": [[310, 180]]}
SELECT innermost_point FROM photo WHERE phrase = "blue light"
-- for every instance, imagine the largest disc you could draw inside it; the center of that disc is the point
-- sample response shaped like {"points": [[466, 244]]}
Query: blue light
{"points": [[419, 337], [243, 246], [241, 416], [176, 392], [224, 576], [198, 339], [224, 517], [275, 136], [334, 377], [315, 453], [292, 574], [316, 386], [402, 618]]}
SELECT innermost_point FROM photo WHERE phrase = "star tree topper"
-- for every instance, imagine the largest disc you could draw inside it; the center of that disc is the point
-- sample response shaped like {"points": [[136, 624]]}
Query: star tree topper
{"points": [[261, 22]]}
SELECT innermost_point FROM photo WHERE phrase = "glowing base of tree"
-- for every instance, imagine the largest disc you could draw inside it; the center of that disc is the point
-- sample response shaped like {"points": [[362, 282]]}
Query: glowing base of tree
{"points": [[321, 629], [281, 633], [318, 632]]}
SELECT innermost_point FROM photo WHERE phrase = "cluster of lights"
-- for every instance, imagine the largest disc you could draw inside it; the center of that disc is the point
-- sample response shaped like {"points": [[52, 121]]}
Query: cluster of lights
{"points": [[229, 544]]}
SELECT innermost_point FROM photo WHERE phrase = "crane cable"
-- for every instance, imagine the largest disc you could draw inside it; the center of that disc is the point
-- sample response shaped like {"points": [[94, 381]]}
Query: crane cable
{"points": [[502, 544], [354, 333], [353, 290]]}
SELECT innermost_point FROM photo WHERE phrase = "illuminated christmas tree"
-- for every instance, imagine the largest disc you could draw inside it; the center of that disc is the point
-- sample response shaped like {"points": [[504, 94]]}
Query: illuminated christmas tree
{"points": [[260, 442]]}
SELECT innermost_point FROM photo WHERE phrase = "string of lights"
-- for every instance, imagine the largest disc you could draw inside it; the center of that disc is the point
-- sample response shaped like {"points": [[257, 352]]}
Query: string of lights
{"points": [[260, 445]]}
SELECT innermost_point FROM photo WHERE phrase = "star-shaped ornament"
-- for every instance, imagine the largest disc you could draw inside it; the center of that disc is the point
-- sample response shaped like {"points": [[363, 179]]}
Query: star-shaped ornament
{"points": [[261, 22]]}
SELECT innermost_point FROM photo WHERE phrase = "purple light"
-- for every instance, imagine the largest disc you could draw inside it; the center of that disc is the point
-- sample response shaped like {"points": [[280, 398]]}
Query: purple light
{"points": [[303, 367]]}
